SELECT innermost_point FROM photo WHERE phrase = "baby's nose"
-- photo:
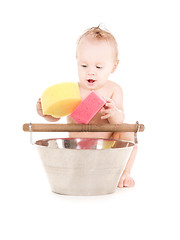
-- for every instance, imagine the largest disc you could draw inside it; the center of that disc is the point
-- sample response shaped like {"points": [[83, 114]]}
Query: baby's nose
{"points": [[91, 73]]}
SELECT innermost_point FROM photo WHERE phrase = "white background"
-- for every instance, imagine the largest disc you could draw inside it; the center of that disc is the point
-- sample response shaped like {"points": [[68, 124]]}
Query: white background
{"points": [[37, 49]]}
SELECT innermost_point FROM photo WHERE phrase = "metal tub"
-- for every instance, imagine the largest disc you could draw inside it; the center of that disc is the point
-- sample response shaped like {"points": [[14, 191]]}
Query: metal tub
{"points": [[82, 166]]}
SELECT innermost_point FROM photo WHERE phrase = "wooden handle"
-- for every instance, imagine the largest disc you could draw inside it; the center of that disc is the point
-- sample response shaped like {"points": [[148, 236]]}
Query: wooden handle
{"points": [[124, 127]]}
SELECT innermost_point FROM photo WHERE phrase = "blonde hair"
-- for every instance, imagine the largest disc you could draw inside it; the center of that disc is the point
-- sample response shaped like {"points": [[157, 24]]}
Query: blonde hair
{"points": [[97, 33]]}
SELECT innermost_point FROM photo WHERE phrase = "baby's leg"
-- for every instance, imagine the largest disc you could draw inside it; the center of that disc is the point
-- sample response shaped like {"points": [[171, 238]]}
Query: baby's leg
{"points": [[126, 180]]}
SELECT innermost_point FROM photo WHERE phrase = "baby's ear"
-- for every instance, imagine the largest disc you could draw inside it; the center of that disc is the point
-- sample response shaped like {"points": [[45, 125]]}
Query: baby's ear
{"points": [[115, 65]]}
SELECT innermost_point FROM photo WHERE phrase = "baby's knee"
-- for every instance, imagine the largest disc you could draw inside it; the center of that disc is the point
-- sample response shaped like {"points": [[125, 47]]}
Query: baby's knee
{"points": [[129, 136]]}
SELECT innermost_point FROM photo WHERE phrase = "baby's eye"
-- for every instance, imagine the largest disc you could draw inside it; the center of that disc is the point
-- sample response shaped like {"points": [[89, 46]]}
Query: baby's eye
{"points": [[98, 67], [84, 65]]}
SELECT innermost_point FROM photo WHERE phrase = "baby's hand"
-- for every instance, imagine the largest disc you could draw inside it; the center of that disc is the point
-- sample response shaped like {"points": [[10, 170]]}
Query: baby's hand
{"points": [[109, 109], [40, 112], [39, 108]]}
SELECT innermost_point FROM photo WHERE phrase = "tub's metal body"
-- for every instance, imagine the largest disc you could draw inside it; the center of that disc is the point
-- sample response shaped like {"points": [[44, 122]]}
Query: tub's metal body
{"points": [[84, 166]]}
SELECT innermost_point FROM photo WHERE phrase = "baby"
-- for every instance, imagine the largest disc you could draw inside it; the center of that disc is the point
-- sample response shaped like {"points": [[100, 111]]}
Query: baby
{"points": [[97, 58]]}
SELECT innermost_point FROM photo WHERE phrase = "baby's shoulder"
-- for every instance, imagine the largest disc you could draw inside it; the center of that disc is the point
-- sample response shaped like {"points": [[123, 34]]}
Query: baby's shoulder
{"points": [[114, 86]]}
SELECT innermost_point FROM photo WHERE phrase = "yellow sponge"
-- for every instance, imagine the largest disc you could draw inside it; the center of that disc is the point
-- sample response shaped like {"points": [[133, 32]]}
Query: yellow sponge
{"points": [[60, 99]]}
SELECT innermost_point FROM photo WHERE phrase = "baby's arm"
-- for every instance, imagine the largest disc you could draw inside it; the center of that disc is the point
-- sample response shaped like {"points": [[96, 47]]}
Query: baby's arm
{"points": [[113, 110], [40, 112]]}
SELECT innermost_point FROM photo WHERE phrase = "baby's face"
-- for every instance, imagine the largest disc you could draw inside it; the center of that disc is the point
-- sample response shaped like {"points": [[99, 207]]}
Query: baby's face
{"points": [[96, 62]]}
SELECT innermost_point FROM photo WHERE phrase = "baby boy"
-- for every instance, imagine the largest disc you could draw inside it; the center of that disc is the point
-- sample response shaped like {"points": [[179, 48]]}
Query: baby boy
{"points": [[97, 58]]}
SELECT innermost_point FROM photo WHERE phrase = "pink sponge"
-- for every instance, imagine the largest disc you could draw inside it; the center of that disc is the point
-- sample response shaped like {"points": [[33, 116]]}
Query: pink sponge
{"points": [[88, 108]]}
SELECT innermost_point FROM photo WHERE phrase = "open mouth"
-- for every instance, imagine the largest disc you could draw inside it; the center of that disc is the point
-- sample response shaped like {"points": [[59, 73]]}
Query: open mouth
{"points": [[91, 81]]}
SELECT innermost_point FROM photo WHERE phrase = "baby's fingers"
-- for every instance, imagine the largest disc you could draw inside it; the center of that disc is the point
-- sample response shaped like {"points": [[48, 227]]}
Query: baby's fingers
{"points": [[39, 108], [108, 100], [39, 102], [105, 111], [109, 105], [106, 116]]}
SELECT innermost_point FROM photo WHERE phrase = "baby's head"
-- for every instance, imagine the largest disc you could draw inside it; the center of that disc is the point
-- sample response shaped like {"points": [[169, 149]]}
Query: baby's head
{"points": [[100, 35], [97, 57]]}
